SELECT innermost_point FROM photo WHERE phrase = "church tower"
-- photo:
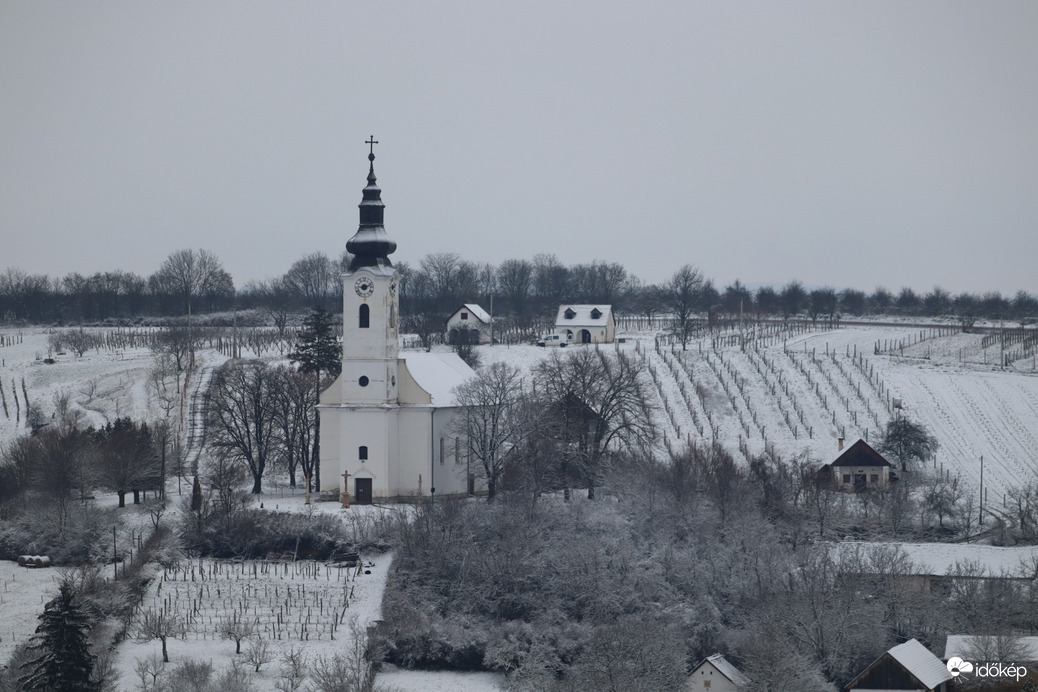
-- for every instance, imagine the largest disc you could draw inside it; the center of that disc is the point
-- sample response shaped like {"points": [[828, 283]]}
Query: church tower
{"points": [[386, 422], [370, 305]]}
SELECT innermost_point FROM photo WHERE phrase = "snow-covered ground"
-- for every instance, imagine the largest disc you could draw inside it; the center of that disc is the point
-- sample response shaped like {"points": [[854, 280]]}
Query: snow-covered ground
{"points": [[797, 394], [792, 393], [303, 605], [23, 593], [945, 558]]}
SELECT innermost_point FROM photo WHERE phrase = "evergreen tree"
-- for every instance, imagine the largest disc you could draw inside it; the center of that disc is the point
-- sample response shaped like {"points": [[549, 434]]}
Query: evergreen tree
{"points": [[318, 351], [63, 661]]}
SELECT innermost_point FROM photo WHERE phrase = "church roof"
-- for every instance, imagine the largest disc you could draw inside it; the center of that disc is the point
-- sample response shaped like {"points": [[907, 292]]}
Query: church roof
{"points": [[371, 245], [438, 374]]}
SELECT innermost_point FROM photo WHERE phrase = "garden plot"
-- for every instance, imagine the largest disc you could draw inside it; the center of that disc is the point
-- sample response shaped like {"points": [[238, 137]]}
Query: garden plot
{"points": [[286, 602], [302, 606]]}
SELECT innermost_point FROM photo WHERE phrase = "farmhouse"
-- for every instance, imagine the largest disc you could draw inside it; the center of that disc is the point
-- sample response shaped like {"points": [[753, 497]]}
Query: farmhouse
{"points": [[385, 420], [586, 324], [716, 674], [908, 666], [858, 468], [470, 319]]}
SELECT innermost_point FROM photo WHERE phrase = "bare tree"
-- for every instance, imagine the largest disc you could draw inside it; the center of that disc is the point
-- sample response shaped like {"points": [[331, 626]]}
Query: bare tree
{"points": [[189, 276], [682, 295], [237, 628], [943, 495], [312, 280], [295, 420], [550, 279], [515, 281], [161, 625], [258, 653], [494, 420], [601, 402], [243, 416]]}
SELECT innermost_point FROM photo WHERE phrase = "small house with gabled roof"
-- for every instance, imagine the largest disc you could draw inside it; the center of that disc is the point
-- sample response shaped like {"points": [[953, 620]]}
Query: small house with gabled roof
{"points": [[586, 324], [859, 468], [908, 666], [716, 674], [472, 320]]}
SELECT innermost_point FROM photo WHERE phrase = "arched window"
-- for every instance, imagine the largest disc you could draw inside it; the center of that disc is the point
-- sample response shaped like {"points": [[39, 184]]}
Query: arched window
{"points": [[362, 452], [365, 316]]}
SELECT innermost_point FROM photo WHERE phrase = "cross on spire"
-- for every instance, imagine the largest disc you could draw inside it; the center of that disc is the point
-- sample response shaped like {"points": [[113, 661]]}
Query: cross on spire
{"points": [[372, 141]]}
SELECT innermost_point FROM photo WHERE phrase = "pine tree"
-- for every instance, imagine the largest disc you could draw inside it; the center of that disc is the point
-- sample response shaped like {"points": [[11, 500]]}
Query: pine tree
{"points": [[63, 661], [318, 351]]}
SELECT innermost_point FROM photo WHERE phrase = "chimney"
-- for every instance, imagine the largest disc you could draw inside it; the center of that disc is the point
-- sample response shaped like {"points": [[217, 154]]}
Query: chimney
{"points": [[839, 444]]}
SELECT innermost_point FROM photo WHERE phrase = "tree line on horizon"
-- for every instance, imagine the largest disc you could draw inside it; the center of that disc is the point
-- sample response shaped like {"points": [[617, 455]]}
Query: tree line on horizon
{"points": [[195, 281]]}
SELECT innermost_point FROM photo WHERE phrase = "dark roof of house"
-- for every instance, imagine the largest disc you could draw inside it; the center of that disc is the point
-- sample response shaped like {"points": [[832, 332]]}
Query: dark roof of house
{"points": [[909, 663], [861, 454]]}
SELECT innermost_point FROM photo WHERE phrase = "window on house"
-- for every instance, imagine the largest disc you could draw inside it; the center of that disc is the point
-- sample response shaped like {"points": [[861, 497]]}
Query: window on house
{"points": [[596, 313], [364, 320], [362, 452], [570, 313], [441, 450], [874, 478], [846, 478], [464, 315]]}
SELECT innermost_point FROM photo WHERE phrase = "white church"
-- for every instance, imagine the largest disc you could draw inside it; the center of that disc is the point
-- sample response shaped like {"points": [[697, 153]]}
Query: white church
{"points": [[386, 421]]}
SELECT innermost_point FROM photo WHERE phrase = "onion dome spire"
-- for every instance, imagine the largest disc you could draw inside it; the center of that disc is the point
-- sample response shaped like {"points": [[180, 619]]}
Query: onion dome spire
{"points": [[371, 245]]}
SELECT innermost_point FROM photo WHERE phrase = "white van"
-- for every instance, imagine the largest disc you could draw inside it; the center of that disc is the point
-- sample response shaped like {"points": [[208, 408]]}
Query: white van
{"points": [[555, 340]]}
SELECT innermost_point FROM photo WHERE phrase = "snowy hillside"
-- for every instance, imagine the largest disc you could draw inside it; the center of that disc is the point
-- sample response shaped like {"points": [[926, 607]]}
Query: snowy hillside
{"points": [[797, 393], [790, 391]]}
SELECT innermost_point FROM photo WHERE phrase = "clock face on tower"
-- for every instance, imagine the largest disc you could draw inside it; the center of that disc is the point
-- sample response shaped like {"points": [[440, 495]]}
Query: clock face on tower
{"points": [[364, 287]]}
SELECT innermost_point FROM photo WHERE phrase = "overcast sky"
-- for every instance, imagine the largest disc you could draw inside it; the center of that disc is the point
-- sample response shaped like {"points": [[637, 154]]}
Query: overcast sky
{"points": [[843, 144]]}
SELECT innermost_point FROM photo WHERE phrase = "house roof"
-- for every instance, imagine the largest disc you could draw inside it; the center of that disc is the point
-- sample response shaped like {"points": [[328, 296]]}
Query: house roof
{"points": [[438, 374], [915, 659], [861, 454], [583, 316], [918, 661], [961, 644], [728, 670], [477, 312]]}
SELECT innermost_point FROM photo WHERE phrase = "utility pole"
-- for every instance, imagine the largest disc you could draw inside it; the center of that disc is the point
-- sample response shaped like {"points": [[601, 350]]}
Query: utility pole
{"points": [[981, 520]]}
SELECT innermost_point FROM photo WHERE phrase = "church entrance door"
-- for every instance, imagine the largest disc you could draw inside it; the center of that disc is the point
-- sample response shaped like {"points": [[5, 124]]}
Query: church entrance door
{"points": [[362, 491]]}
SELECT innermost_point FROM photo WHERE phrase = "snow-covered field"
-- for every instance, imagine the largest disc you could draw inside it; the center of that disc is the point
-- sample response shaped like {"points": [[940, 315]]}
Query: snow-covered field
{"points": [[793, 393], [797, 394], [304, 606], [23, 593]]}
